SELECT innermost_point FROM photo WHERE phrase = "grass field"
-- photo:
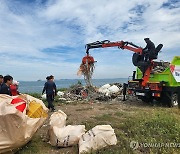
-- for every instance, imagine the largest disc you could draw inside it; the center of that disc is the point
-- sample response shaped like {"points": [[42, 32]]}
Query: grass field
{"points": [[147, 126]]}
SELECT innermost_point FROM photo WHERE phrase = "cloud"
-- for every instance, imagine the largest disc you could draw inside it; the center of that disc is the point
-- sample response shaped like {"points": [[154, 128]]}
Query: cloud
{"points": [[48, 37]]}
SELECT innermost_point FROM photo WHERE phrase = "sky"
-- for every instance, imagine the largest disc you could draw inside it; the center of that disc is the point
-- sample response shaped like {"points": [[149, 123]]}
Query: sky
{"points": [[44, 37]]}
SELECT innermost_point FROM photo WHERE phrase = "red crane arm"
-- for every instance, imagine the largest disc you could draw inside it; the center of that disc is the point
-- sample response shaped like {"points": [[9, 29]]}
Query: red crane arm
{"points": [[123, 45], [120, 44]]}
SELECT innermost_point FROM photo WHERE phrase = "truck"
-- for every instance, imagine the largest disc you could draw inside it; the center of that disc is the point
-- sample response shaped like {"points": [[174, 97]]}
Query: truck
{"points": [[146, 84], [162, 86]]}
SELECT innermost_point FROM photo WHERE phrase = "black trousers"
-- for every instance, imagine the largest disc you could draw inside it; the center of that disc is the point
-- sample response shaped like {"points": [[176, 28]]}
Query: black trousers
{"points": [[50, 99]]}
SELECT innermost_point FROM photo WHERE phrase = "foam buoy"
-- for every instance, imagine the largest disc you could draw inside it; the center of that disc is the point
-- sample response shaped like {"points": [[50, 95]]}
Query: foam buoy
{"points": [[20, 107]]}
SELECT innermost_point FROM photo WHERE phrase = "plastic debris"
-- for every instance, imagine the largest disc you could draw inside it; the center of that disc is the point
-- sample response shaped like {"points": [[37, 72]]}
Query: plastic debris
{"points": [[79, 92], [60, 93], [43, 96]]}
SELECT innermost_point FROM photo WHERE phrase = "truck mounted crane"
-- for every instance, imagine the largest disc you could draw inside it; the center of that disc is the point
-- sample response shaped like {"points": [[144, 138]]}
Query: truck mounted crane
{"points": [[137, 59], [145, 84]]}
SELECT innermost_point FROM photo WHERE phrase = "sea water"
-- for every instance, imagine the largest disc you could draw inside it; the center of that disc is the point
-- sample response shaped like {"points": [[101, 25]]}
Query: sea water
{"points": [[37, 86]]}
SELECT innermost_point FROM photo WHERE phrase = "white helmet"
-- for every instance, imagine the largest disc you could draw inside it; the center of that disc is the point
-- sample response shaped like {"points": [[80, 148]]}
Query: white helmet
{"points": [[15, 82]]}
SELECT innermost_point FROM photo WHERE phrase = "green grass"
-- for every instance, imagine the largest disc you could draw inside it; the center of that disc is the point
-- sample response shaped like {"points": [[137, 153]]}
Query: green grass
{"points": [[84, 109], [36, 145], [36, 95], [119, 114], [143, 125], [156, 126], [62, 89]]}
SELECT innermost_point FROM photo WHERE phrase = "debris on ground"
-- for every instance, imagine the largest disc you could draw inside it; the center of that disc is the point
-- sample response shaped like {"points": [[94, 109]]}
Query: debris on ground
{"points": [[89, 92], [60, 93], [78, 92], [61, 135], [98, 137], [20, 118], [108, 90]]}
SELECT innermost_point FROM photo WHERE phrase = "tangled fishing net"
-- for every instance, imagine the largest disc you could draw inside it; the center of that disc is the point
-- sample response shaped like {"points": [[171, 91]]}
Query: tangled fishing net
{"points": [[86, 69]]}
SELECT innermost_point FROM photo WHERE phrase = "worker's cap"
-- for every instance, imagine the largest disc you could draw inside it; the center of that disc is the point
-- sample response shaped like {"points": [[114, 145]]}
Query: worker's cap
{"points": [[146, 39], [51, 76], [15, 82], [48, 77]]}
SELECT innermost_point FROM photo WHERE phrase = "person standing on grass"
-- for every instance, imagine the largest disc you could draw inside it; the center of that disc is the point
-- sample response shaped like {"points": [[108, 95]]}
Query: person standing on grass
{"points": [[51, 91], [5, 87]]}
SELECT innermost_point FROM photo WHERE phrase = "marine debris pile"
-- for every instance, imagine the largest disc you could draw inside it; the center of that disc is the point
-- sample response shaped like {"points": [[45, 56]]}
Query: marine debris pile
{"points": [[78, 92]]}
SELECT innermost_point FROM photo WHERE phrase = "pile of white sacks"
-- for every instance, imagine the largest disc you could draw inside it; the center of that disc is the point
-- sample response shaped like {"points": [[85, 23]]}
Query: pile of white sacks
{"points": [[108, 90], [63, 136]]}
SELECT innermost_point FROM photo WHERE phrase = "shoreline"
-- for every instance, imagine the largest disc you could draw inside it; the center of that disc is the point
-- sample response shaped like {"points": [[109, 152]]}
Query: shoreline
{"points": [[37, 86]]}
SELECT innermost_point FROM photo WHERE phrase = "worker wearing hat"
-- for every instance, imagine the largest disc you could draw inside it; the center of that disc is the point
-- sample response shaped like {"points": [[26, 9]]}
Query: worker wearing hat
{"points": [[14, 88], [150, 45], [51, 91], [149, 49]]}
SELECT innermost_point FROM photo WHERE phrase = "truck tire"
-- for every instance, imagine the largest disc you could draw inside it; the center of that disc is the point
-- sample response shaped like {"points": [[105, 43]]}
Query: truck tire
{"points": [[170, 99], [174, 100], [166, 99], [136, 58]]}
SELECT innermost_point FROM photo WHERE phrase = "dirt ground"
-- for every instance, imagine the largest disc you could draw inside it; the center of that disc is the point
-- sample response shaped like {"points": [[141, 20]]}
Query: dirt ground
{"points": [[82, 113]]}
